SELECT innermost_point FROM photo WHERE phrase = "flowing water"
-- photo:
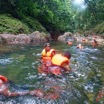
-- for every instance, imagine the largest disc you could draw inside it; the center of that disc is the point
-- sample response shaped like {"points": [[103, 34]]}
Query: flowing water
{"points": [[81, 86]]}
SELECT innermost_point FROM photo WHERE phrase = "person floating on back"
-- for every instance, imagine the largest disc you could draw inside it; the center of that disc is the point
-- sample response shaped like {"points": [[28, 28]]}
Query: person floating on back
{"points": [[5, 90]]}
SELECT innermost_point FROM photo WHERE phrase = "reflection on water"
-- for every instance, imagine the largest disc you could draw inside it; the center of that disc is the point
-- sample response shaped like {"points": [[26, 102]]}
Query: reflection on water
{"points": [[80, 86], [5, 61]]}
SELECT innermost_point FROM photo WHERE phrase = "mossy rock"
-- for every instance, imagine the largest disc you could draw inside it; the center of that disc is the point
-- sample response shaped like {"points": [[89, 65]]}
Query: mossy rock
{"points": [[8, 24]]}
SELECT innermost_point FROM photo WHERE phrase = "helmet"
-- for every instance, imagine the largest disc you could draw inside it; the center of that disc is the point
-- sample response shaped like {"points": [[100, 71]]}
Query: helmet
{"points": [[4, 79]]}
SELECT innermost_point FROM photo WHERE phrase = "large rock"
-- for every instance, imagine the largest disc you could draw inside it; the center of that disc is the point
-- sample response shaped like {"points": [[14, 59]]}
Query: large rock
{"points": [[2, 40], [65, 37], [16, 39], [9, 38], [61, 39], [67, 34], [34, 38], [38, 37], [22, 39]]}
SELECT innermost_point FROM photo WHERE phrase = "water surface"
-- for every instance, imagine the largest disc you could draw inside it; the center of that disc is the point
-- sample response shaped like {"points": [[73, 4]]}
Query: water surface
{"points": [[19, 64]]}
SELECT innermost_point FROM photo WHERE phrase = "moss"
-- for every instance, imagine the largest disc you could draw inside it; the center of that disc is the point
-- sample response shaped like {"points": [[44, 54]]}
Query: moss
{"points": [[33, 24], [8, 24]]}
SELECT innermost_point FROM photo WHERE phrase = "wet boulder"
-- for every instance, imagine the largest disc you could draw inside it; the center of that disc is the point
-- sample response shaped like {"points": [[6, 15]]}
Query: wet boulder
{"points": [[16, 39], [64, 37], [35, 38], [9, 38], [22, 39], [38, 37], [2, 40]]}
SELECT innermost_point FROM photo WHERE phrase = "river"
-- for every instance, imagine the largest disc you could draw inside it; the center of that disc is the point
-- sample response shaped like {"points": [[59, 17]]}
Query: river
{"points": [[81, 86]]}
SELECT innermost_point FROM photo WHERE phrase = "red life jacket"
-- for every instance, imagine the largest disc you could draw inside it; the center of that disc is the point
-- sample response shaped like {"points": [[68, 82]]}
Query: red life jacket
{"points": [[4, 79]]}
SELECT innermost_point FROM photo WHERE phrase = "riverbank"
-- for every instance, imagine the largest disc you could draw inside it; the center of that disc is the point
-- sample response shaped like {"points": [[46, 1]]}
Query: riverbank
{"points": [[33, 38], [69, 37], [37, 38]]}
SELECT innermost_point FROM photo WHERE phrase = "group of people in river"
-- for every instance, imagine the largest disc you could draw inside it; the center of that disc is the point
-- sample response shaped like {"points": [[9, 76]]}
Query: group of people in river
{"points": [[51, 63], [80, 46]]}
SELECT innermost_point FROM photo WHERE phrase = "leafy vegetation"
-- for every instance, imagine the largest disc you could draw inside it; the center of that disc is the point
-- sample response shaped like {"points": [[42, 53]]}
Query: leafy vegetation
{"points": [[99, 28], [9, 24], [54, 16]]}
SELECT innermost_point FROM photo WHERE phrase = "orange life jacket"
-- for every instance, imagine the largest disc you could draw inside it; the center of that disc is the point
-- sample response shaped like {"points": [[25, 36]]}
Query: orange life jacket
{"points": [[4, 79], [47, 55], [58, 59]]}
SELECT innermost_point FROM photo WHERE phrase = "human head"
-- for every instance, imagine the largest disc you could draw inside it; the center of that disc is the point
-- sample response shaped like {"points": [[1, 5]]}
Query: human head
{"points": [[67, 54], [47, 45], [4, 79]]}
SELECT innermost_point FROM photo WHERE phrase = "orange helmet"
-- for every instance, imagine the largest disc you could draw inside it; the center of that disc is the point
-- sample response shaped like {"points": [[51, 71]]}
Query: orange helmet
{"points": [[4, 79]]}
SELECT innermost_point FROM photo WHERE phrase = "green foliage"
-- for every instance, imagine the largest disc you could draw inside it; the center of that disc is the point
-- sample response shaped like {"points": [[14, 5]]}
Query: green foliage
{"points": [[93, 14], [99, 28], [33, 24], [90, 17], [28, 8], [55, 16], [8, 24]]}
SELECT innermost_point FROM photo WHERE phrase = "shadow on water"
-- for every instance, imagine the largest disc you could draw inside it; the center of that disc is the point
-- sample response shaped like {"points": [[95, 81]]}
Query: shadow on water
{"points": [[77, 87]]}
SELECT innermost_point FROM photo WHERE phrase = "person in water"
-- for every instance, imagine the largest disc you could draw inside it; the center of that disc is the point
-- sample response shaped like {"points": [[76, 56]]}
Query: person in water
{"points": [[80, 46], [51, 93], [59, 63], [4, 89], [47, 52], [69, 43], [46, 57], [94, 43]]}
